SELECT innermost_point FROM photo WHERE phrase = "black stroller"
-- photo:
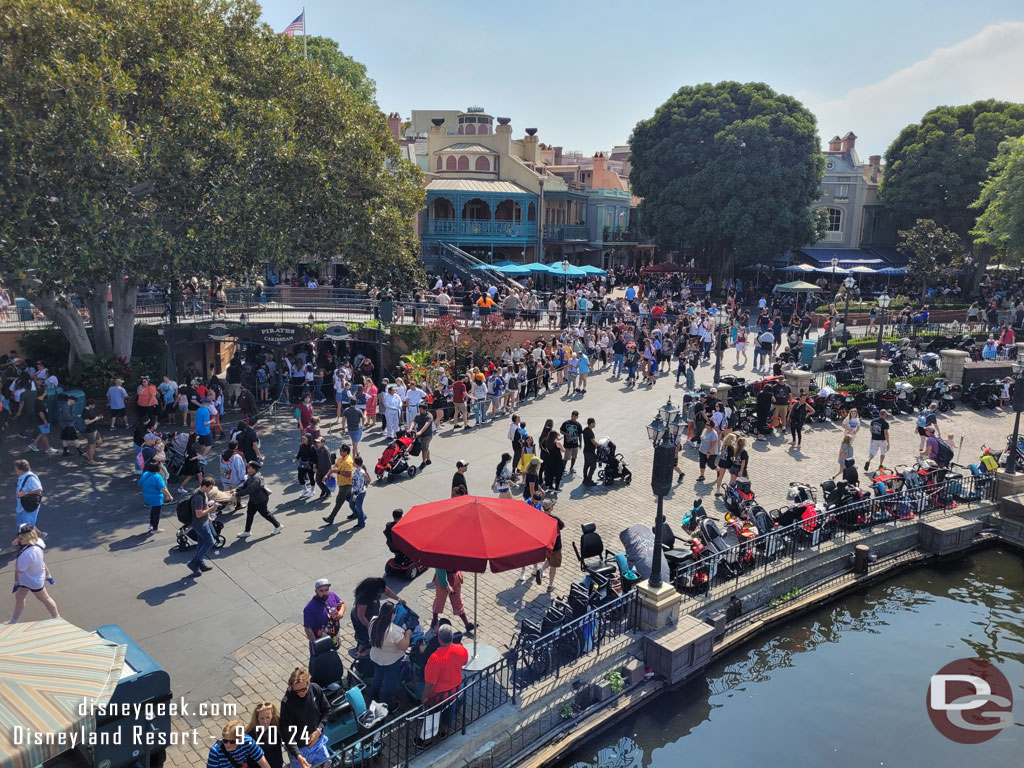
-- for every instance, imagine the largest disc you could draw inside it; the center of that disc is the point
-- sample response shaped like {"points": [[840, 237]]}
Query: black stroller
{"points": [[615, 467], [186, 537]]}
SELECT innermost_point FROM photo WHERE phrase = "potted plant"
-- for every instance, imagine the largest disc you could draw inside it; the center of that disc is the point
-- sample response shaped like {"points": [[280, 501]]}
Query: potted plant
{"points": [[567, 712], [615, 681]]}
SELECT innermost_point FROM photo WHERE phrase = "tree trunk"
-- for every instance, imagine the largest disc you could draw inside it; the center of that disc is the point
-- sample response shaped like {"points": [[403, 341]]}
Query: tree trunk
{"points": [[100, 324], [61, 311], [125, 296]]}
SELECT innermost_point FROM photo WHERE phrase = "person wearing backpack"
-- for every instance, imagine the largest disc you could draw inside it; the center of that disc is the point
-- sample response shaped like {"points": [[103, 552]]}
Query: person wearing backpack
{"points": [[927, 418], [154, 493], [255, 488], [937, 449], [29, 492]]}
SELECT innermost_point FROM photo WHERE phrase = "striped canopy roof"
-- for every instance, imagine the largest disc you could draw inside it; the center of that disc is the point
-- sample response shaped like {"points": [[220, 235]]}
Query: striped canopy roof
{"points": [[47, 669]]}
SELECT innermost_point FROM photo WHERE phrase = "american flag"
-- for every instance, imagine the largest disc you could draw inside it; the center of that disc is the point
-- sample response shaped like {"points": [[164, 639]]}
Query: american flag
{"points": [[299, 25]]}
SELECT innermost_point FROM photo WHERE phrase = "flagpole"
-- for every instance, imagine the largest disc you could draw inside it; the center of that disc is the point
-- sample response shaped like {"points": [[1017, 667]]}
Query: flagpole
{"points": [[305, 53]]}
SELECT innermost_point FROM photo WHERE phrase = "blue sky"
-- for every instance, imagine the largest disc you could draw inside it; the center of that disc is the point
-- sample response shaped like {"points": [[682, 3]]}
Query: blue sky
{"points": [[583, 73]]}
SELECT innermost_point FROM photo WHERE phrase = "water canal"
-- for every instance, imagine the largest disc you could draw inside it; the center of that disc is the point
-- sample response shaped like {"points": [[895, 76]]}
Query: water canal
{"points": [[844, 685]]}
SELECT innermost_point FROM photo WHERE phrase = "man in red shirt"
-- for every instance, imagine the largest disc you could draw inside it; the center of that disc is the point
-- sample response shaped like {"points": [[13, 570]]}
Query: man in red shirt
{"points": [[443, 673], [459, 399]]}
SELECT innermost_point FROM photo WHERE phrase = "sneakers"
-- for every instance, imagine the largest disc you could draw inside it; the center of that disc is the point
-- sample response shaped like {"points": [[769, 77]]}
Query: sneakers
{"points": [[195, 568], [243, 535], [203, 567], [151, 531], [277, 530], [33, 447], [536, 577], [182, 490], [306, 493], [866, 465], [51, 451]]}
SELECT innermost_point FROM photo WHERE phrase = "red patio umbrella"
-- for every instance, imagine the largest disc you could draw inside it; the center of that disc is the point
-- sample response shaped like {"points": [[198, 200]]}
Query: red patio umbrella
{"points": [[468, 533]]}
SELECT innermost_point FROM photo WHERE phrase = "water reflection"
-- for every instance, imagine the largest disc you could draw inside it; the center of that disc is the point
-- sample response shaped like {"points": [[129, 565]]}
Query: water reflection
{"points": [[840, 662]]}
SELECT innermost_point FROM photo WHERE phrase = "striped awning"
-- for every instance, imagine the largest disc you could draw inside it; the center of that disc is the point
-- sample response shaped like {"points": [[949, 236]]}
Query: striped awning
{"points": [[47, 670]]}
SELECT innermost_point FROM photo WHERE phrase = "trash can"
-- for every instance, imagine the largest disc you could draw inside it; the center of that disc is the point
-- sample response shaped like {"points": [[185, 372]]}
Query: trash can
{"points": [[79, 396], [807, 352], [24, 309]]}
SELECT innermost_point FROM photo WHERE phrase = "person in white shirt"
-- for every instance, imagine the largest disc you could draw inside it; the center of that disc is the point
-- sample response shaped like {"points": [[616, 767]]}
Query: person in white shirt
{"points": [[413, 397], [30, 572], [392, 403]]}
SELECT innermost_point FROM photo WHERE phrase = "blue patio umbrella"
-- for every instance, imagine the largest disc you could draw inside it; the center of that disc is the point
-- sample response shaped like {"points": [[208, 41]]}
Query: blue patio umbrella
{"points": [[513, 269], [592, 270], [566, 269]]}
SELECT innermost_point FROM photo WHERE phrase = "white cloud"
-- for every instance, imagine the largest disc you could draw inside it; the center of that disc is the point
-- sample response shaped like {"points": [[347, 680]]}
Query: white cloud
{"points": [[987, 65]]}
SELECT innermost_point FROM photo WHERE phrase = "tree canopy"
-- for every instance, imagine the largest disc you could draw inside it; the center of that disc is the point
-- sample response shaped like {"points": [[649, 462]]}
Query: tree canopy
{"points": [[934, 168], [147, 140], [730, 171], [1001, 222], [933, 254], [326, 51]]}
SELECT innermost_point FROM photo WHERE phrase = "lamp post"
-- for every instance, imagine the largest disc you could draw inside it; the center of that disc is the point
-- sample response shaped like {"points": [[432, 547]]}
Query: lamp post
{"points": [[565, 293], [849, 283], [454, 335], [718, 346], [834, 263], [1018, 406], [662, 431], [883, 302]]}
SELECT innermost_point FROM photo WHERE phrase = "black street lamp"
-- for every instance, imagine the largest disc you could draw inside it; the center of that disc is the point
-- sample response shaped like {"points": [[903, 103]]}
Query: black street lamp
{"points": [[667, 425], [454, 335], [718, 346], [883, 303], [565, 293], [849, 283], [1018, 406]]}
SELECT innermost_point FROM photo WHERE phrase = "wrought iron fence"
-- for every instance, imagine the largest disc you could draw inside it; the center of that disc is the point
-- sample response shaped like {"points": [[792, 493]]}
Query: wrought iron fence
{"points": [[716, 573]]}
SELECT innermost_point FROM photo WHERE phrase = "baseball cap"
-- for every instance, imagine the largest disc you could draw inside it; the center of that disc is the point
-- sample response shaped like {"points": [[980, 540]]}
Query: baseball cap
{"points": [[461, 463], [547, 505], [151, 436], [321, 583]]}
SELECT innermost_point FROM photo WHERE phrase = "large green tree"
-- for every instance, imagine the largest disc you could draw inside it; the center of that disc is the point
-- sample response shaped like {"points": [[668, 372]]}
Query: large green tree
{"points": [[934, 254], [934, 168], [147, 140], [729, 170], [326, 51], [1001, 222]]}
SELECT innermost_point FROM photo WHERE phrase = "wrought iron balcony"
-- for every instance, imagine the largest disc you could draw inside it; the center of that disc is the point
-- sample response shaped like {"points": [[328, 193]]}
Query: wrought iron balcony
{"points": [[482, 228], [575, 232], [613, 235]]}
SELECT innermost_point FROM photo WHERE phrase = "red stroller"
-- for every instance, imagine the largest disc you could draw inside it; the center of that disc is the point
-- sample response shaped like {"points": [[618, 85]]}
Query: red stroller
{"points": [[395, 459]]}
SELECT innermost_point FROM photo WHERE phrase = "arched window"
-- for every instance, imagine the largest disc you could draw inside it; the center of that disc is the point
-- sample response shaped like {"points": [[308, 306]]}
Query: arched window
{"points": [[476, 210], [441, 208], [449, 164], [531, 213], [462, 128], [440, 163], [483, 164], [835, 220], [463, 163], [482, 129], [471, 130], [508, 210]]}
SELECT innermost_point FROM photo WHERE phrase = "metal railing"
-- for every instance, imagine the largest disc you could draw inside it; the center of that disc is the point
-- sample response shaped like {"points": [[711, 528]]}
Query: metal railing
{"points": [[481, 228], [715, 574], [565, 645], [571, 232], [612, 235]]}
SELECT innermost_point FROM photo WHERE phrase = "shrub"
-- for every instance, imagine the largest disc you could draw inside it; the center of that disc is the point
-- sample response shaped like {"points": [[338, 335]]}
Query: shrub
{"points": [[615, 681]]}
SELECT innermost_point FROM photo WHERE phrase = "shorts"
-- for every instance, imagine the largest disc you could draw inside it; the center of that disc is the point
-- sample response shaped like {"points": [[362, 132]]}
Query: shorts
{"points": [[30, 589], [116, 412], [92, 437], [741, 346], [554, 558], [921, 431], [424, 440], [357, 435], [571, 453], [183, 407], [877, 446], [234, 389], [460, 408], [206, 439], [44, 429]]}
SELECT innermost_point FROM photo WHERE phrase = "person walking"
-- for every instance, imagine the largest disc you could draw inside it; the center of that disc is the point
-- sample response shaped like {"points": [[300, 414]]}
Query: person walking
{"points": [[202, 507], [360, 482], [708, 450], [321, 468], [846, 458], [851, 424], [448, 588], [68, 433], [28, 493], [423, 426], [342, 470], [117, 396], [353, 417], [572, 434], [459, 486], [515, 437], [502, 484], [879, 444], [90, 421], [154, 494], [30, 572], [43, 426], [392, 402], [255, 488], [306, 458], [798, 416]]}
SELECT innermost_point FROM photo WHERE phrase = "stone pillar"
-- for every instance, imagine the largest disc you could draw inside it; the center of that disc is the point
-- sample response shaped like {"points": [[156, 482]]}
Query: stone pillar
{"points": [[799, 381], [876, 374], [658, 607], [1020, 351], [952, 365], [1010, 485]]}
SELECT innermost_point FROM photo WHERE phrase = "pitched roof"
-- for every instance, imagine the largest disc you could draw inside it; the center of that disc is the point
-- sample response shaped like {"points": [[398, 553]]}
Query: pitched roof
{"points": [[476, 185]]}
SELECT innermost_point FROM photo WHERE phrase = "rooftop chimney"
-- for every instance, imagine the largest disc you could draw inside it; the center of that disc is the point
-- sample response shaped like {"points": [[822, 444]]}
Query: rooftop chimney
{"points": [[834, 144], [437, 129], [848, 141], [395, 124], [875, 160]]}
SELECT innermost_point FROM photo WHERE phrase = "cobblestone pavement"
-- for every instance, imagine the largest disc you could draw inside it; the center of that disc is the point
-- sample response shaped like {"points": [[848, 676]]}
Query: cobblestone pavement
{"points": [[234, 634]]}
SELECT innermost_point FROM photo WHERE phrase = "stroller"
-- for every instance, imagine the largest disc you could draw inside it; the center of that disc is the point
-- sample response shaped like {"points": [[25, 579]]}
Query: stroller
{"points": [[395, 459], [615, 467], [186, 537]]}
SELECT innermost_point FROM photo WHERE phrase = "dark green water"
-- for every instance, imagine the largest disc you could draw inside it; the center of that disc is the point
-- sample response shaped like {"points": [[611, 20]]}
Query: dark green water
{"points": [[844, 685]]}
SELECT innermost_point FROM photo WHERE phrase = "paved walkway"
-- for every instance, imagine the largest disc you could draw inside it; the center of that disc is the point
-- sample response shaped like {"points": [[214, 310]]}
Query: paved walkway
{"points": [[233, 635]]}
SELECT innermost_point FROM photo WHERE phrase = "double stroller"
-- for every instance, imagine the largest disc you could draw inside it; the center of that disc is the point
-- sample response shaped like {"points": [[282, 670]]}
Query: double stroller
{"points": [[395, 459], [615, 467]]}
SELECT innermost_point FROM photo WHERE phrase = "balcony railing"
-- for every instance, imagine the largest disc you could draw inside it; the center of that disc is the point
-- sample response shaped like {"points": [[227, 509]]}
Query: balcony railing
{"points": [[474, 228], [612, 235], [575, 232]]}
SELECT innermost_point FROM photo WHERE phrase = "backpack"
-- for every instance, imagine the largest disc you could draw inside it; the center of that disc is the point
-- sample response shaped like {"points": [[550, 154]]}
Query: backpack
{"points": [[184, 511], [944, 455], [922, 420]]}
